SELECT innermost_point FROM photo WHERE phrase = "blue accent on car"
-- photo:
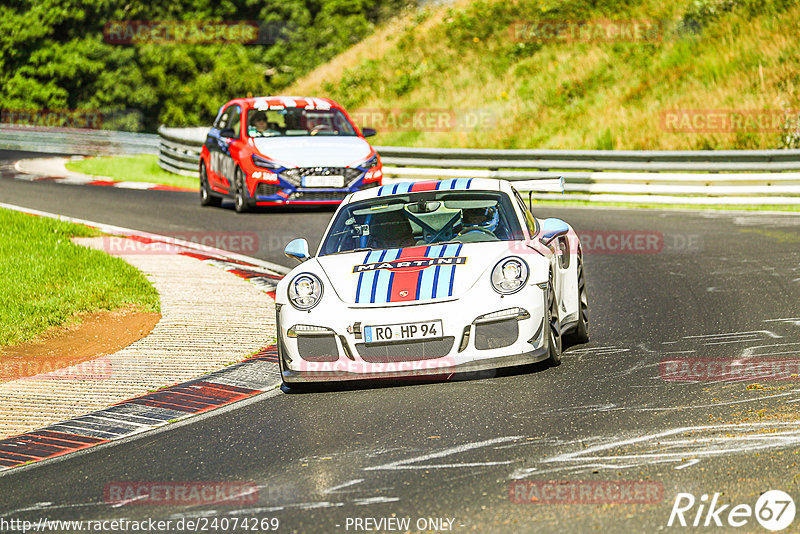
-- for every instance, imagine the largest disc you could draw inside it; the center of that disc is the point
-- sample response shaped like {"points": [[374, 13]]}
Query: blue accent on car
{"points": [[289, 188]]}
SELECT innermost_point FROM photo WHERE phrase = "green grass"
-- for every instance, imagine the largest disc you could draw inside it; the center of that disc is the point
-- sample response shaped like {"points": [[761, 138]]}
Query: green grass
{"points": [[463, 56], [48, 279], [141, 168], [735, 207]]}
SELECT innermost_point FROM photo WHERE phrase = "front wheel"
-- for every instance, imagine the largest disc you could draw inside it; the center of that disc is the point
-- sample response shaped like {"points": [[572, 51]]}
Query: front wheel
{"points": [[553, 326], [240, 193]]}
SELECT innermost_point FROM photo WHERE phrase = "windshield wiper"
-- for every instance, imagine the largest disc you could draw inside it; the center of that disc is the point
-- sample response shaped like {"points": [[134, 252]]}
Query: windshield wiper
{"points": [[352, 250], [437, 243]]}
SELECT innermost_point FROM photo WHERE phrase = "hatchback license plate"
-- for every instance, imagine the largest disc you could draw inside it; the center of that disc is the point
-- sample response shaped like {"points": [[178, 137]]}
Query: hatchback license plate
{"points": [[323, 181]]}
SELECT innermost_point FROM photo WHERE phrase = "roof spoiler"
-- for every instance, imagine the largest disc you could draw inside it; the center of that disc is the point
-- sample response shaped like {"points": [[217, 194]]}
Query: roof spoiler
{"points": [[542, 185]]}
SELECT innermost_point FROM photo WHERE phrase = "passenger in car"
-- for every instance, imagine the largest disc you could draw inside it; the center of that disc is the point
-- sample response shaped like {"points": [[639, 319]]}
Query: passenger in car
{"points": [[390, 230], [258, 124]]}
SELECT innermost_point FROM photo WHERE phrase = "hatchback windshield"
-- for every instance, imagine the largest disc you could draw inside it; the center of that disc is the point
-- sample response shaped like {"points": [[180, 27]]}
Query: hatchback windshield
{"points": [[422, 219], [297, 122]]}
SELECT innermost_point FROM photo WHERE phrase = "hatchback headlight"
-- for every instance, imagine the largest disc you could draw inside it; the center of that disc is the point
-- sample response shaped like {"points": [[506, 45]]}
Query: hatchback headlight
{"points": [[371, 162], [305, 291], [509, 275], [258, 161]]}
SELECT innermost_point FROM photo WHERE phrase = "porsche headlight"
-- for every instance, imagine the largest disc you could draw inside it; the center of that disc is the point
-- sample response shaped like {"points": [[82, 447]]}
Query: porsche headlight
{"points": [[509, 275], [305, 291]]}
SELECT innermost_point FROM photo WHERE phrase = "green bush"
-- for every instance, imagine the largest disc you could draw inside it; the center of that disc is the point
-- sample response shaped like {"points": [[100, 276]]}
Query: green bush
{"points": [[53, 55]]}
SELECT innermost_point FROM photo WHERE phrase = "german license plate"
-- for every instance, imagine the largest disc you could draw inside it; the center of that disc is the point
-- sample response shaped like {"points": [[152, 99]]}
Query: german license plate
{"points": [[323, 181], [403, 332]]}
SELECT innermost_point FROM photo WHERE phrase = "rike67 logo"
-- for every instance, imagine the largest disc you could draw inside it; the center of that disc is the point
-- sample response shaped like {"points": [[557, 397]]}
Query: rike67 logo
{"points": [[774, 510]]}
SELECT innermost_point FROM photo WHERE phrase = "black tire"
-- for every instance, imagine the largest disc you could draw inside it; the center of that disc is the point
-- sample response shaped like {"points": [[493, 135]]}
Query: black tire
{"points": [[553, 326], [581, 332], [240, 200], [206, 197]]}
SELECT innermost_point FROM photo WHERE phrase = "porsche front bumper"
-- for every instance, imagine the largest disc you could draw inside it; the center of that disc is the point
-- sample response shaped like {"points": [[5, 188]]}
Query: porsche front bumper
{"points": [[481, 330]]}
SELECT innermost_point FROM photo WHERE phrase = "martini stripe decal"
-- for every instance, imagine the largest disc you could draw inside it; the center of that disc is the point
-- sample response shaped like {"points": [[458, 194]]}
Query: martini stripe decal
{"points": [[414, 187], [405, 283], [389, 279]]}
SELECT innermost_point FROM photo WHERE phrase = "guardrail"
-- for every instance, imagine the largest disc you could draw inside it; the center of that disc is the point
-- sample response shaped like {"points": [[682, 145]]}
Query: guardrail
{"points": [[542, 158], [76, 141], [706, 176], [179, 149], [592, 172]]}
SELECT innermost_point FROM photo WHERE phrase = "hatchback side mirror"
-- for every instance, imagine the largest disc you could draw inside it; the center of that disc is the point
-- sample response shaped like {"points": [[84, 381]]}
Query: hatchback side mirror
{"points": [[368, 132]]}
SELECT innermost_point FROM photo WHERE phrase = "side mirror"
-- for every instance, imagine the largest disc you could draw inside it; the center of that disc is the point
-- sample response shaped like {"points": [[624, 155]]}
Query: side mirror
{"points": [[368, 132], [552, 229], [297, 249], [228, 132]]}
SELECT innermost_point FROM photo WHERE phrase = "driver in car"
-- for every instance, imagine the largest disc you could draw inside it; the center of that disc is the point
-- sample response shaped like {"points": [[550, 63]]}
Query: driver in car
{"points": [[478, 223], [259, 126], [317, 125]]}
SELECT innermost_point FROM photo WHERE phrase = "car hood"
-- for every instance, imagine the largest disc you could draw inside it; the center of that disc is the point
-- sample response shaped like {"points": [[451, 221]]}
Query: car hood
{"points": [[416, 274], [314, 151]]}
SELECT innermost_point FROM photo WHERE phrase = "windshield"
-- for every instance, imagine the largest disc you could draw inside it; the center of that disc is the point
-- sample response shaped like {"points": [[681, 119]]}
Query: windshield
{"points": [[422, 219], [296, 122]]}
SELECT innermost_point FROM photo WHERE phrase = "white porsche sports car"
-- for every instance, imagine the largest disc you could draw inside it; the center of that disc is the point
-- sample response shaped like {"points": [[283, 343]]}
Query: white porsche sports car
{"points": [[430, 278]]}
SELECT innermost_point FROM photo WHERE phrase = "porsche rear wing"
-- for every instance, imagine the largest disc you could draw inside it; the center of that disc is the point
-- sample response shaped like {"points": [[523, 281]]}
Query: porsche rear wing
{"points": [[542, 185]]}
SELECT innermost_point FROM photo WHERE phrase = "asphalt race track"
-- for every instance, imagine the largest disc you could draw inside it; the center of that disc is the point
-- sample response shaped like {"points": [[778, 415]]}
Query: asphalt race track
{"points": [[666, 289]]}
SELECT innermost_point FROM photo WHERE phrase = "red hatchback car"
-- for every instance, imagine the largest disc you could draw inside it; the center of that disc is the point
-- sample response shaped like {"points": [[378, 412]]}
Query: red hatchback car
{"points": [[279, 150]]}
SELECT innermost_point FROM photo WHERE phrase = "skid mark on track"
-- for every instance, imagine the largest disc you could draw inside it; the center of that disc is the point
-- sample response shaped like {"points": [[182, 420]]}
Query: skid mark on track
{"points": [[690, 463], [49, 506], [751, 352], [340, 487], [733, 337], [795, 321], [611, 407], [310, 505], [413, 463], [374, 500], [587, 408], [678, 444], [599, 351]]}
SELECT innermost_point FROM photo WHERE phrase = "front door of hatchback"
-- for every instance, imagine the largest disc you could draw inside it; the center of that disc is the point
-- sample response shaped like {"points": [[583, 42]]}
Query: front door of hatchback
{"points": [[225, 131]]}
